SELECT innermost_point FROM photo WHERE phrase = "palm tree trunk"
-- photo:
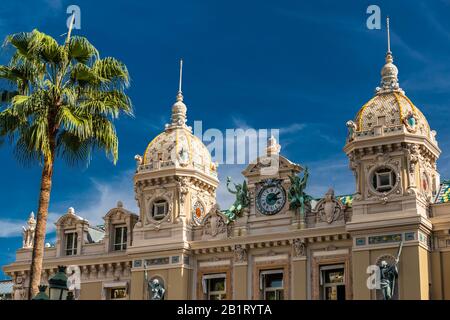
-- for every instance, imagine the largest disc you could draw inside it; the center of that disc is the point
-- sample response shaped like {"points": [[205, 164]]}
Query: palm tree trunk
{"points": [[41, 226]]}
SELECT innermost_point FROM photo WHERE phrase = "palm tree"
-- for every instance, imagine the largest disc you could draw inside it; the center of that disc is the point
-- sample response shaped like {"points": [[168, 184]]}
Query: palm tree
{"points": [[61, 102]]}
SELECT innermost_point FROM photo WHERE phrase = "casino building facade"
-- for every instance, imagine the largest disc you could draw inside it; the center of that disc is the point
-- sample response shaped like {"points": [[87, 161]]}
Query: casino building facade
{"points": [[181, 238]]}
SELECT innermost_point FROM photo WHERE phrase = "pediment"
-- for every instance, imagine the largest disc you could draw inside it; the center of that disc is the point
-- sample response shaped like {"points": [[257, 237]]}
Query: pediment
{"points": [[118, 214], [264, 164], [70, 219]]}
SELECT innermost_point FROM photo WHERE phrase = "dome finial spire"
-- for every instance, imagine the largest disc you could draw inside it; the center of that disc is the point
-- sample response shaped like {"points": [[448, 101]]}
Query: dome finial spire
{"points": [[180, 93], [389, 73], [388, 36], [179, 108]]}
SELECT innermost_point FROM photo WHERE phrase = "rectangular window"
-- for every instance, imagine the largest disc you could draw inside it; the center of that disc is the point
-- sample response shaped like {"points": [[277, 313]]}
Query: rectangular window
{"points": [[272, 284], [117, 293], [120, 238], [332, 282], [384, 181], [159, 209], [214, 286], [71, 243]]}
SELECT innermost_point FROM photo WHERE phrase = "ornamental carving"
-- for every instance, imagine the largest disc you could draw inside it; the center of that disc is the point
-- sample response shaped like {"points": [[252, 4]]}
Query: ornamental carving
{"points": [[299, 247], [354, 165], [411, 121], [157, 195], [383, 162], [240, 253], [183, 184], [329, 209], [413, 156], [214, 225]]}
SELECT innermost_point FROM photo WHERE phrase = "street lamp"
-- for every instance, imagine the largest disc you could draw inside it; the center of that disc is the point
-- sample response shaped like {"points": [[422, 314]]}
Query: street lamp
{"points": [[41, 295], [58, 285]]}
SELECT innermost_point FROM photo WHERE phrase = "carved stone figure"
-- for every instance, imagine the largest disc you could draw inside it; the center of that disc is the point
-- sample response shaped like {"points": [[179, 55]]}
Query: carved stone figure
{"points": [[28, 232], [240, 253], [389, 275], [183, 189], [329, 209], [157, 289], [413, 156], [139, 160], [351, 130], [299, 247], [242, 200], [354, 165], [297, 196]]}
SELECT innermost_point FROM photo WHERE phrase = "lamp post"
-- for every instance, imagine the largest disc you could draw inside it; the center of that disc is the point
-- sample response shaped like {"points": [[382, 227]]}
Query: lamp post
{"points": [[41, 295], [58, 285]]}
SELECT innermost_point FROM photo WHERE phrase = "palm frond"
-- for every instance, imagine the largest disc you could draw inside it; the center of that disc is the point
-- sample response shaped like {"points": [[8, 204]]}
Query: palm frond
{"points": [[73, 150], [105, 137], [81, 50], [114, 71]]}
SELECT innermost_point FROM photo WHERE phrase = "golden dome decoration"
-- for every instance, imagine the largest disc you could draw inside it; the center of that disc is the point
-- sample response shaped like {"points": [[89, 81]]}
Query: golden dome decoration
{"points": [[390, 107], [176, 146]]}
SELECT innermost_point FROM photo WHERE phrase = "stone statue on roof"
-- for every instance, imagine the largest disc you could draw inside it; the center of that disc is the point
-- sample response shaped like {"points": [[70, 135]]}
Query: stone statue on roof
{"points": [[28, 232], [297, 196], [242, 200]]}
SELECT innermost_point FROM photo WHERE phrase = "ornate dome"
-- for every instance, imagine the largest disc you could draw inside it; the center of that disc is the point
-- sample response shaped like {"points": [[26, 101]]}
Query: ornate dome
{"points": [[391, 108], [177, 147]]}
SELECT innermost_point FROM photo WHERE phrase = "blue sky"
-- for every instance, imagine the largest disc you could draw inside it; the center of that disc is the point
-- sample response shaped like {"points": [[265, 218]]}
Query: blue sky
{"points": [[302, 67]]}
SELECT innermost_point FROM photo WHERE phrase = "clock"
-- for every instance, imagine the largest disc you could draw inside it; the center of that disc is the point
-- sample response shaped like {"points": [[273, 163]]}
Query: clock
{"points": [[271, 198]]}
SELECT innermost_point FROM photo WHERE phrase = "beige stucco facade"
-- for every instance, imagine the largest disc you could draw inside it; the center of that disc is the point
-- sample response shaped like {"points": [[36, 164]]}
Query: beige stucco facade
{"points": [[181, 238]]}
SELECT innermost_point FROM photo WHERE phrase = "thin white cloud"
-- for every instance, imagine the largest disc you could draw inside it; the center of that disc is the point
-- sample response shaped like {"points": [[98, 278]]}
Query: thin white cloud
{"points": [[104, 195], [13, 227], [240, 123], [92, 205], [330, 173], [292, 128]]}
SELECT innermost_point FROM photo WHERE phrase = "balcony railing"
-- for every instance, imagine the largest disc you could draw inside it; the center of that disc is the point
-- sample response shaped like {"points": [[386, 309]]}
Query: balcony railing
{"points": [[159, 165]]}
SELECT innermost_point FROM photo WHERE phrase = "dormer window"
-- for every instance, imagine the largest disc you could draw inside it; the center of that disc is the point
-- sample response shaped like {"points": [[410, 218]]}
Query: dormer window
{"points": [[71, 243], [120, 238], [160, 208]]}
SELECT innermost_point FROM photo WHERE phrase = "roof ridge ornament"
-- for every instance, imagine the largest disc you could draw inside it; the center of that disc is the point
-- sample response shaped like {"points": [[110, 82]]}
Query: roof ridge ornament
{"points": [[389, 72]]}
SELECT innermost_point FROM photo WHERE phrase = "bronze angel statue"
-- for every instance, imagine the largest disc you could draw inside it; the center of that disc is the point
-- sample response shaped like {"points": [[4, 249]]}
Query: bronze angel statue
{"points": [[242, 200], [297, 196]]}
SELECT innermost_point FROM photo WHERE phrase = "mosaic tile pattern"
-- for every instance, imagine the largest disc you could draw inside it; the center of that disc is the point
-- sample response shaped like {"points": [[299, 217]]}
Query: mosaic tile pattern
{"points": [[444, 193]]}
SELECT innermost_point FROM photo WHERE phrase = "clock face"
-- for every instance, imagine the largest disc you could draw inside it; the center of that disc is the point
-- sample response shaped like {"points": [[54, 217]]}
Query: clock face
{"points": [[271, 199]]}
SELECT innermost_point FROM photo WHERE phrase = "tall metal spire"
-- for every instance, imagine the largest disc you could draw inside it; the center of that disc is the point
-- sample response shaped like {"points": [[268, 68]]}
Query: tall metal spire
{"points": [[179, 108], [389, 73], [180, 93], [388, 36], [181, 76]]}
